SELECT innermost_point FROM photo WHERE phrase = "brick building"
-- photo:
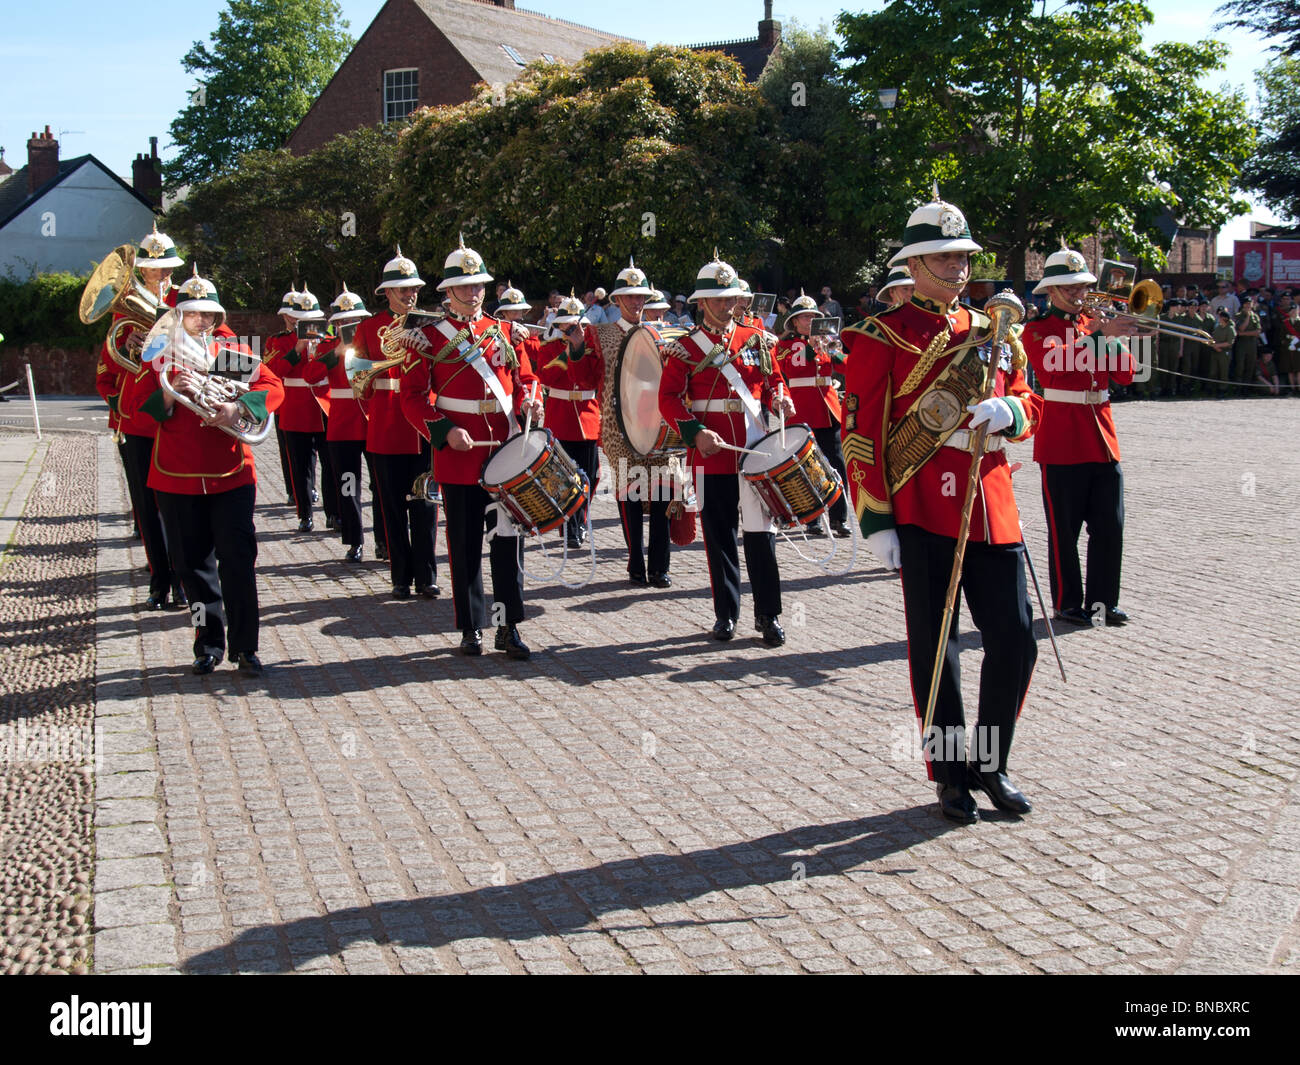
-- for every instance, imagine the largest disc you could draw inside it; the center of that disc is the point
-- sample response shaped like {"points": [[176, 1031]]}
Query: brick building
{"points": [[1193, 258], [428, 53]]}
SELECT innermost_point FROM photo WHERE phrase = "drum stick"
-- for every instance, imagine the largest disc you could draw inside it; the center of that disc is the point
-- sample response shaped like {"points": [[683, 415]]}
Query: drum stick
{"points": [[528, 418], [484, 443], [742, 450], [780, 395]]}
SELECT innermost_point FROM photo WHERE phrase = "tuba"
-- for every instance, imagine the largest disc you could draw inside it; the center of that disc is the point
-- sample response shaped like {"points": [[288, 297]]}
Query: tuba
{"points": [[113, 287], [177, 350]]}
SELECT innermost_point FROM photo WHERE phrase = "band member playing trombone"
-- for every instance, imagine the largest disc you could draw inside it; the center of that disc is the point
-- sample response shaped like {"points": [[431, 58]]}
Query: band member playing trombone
{"points": [[807, 363], [204, 477], [155, 259], [570, 368], [716, 384], [481, 376], [1076, 444], [913, 380], [395, 448]]}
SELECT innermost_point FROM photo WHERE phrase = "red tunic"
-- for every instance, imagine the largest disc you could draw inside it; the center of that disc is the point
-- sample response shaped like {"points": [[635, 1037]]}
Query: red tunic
{"points": [[577, 415], [874, 370], [1071, 433], [190, 458], [459, 382], [302, 410], [679, 388], [808, 376], [347, 421], [387, 431], [110, 379]]}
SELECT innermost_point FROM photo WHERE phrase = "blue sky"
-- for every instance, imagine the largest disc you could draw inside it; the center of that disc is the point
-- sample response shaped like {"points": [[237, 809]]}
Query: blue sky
{"points": [[104, 85]]}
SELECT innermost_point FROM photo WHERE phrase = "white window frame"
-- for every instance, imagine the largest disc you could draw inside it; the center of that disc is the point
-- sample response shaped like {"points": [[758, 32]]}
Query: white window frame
{"points": [[414, 101]]}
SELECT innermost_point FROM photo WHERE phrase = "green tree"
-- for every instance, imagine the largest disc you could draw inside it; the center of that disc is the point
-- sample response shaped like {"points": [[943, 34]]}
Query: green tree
{"points": [[281, 219], [1274, 171], [268, 61], [1269, 18], [560, 176], [1046, 126]]}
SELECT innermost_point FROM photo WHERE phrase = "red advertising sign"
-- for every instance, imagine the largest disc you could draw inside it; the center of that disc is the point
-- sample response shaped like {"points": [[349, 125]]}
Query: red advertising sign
{"points": [[1250, 262], [1284, 263]]}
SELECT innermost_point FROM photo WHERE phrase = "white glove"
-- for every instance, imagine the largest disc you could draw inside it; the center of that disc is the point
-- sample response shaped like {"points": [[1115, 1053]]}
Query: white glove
{"points": [[415, 338], [996, 412], [884, 545]]}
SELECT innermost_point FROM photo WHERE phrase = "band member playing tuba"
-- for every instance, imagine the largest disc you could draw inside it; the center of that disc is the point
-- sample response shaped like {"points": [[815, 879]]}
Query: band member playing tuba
{"points": [[913, 379], [717, 381], [204, 477], [481, 376]]}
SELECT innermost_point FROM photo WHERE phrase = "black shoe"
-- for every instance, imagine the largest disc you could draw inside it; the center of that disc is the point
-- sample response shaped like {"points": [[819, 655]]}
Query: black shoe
{"points": [[353, 555], [471, 642], [179, 602], [205, 664], [772, 633], [1005, 795], [401, 592], [956, 804], [156, 602], [724, 629], [248, 664], [381, 553], [573, 540], [660, 580], [429, 591], [508, 641], [815, 529], [306, 525], [1075, 615], [841, 528], [1115, 616], [637, 578], [332, 524]]}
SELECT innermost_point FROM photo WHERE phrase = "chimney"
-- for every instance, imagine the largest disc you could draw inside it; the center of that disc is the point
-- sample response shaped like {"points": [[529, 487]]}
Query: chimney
{"points": [[42, 160], [146, 174], [509, 5], [5, 168], [769, 32]]}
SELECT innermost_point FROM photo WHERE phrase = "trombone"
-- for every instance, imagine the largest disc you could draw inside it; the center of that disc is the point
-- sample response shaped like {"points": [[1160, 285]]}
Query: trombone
{"points": [[1142, 309]]}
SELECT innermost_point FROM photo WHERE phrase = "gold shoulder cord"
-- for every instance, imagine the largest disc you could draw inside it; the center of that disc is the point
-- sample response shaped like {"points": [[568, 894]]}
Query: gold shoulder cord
{"points": [[928, 358]]}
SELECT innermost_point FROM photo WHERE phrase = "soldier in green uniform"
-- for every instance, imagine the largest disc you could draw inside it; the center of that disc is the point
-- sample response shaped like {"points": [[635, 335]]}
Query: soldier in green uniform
{"points": [[1167, 352], [1246, 351], [1225, 334], [1203, 356]]}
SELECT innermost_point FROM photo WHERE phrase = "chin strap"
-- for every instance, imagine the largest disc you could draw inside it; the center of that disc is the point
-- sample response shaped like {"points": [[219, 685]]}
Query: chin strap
{"points": [[935, 279]]}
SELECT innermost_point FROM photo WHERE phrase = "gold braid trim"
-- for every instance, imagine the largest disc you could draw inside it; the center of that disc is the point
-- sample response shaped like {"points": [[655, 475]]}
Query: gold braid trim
{"points": [[928, 358]]}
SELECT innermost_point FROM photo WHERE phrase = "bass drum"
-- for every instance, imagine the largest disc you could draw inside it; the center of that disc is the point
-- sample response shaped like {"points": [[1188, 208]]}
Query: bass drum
{"points": [[636, 400]]}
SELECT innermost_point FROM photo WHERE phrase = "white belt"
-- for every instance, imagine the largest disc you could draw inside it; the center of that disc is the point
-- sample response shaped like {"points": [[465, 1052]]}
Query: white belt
{"points": [[469, 406], [964, 439], [815, 382], [561, 393], [342, 393], [718, 406], [1069, 395], [387, 384], [297, 382]]}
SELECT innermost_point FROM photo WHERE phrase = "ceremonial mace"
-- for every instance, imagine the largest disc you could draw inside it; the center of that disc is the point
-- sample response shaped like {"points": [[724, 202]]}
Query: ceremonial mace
{"points": [[1005, 310]]}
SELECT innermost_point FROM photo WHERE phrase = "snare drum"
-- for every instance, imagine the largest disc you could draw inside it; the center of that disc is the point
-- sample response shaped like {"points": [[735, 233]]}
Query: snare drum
{"points": [[795, 482], [537, 483]]}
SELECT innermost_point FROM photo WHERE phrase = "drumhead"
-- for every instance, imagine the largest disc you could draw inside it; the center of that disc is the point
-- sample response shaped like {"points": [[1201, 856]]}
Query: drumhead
{"points": [[639, 367], [516, 455], [770, 452]]}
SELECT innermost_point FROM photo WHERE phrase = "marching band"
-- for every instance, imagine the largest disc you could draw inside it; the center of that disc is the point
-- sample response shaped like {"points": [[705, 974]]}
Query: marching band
{"points": [[501, 424]]}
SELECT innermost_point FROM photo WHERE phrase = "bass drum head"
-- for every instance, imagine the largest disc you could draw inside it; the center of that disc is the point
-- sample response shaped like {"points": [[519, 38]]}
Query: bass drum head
{"points": [[514, 456], [770, 452], [639, 367]]}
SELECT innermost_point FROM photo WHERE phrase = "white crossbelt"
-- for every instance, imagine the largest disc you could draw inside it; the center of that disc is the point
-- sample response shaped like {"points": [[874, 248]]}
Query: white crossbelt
{"points": [[815, 382], [718, 406], [469, 406], [562, 393], [1069, 395], [964, 440], [342, 393], [387, 384]]}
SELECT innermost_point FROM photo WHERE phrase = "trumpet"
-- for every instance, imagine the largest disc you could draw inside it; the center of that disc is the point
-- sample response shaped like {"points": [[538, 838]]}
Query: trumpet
{"points": [[1142, 309]]}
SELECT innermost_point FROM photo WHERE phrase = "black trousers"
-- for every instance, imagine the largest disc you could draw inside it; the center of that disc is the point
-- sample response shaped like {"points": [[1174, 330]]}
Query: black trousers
{"points": [[284, 460], [410, 526], [376, 511], [828, 440], [719, 520], [467, 518], [302, 449], [1090, 493], [345, 458], [214, 548], [137, 453], [993, 580], [586, 456], [631, 516]]}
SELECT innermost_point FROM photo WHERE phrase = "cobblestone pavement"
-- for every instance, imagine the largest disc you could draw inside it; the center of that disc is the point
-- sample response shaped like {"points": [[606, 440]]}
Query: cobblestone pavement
{"points": [[638, 798]]}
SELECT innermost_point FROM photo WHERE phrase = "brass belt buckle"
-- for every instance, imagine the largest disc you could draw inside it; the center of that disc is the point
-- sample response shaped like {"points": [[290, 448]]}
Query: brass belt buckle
{"points": [[487, 406], [732, 406]]}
